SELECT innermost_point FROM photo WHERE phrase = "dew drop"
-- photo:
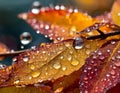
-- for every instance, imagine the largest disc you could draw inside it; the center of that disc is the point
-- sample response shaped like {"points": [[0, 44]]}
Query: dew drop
{"points": [[112, 72], [16, 82], [113, 42], [69, 57], [61, 57], [117, 64], [64, 68], [2, 66], [25, 59], [36, 7], [75, 62], [118, 57], [25, 38], [78, 43], [35, 74], [57, 65], [87, 52], [32, 67]]}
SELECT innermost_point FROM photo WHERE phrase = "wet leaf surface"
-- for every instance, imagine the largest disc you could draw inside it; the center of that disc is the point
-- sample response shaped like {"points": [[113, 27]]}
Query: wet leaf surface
{"points": [[58, 23], [26, 89], [101, 70], [50, 61]]}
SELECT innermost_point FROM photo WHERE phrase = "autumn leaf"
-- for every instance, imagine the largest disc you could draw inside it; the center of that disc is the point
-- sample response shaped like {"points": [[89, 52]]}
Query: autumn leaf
{"points": [[26, 89], [115, 12], [101, 70], [51, 61], [3, 49], [58, 23]]}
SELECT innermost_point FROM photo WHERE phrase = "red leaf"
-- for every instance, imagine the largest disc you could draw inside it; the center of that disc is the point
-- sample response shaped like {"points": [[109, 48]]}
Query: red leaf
{"points": [[102, 69]]}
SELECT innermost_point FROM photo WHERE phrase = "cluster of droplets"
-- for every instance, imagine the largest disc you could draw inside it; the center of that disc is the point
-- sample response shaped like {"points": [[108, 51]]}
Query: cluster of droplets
{"points": [[92, 67]]}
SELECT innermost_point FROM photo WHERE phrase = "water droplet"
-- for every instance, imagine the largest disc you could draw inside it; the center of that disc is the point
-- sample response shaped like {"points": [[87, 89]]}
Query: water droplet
{"points": [[2, 66], [119, 51], [102, 57], [25, 59], [113, 42], [25, 38], [32, 67], [87, 52], [69, 57], [78, 43], [16, 82], [14, 59], [112, 72], [118, 57], [35, 74], [67, 45], [57, 65], [64, 68], [36, 7], [117, 64], [75, 62], [22, 47], [61, 57], [99, 53]]}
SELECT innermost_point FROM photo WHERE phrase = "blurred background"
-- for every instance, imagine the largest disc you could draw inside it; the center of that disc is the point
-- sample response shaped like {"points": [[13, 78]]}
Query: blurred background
{"points": [[11, 27]]}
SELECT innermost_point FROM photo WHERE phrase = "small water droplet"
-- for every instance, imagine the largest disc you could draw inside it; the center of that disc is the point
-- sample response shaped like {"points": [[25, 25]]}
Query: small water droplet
{"points": [[69, 57], [101, 57], [22, 47], [87, 52], [35, 74], [25, 59], [64, 68], [25, 38], [117, 64], [67, 45], [14, 59], [61, 57], [78, 43], [32, 67], [16, 82], [75, 62], [36, 7], [113, 42], [99, 53], [57, 65], [2, 66], [112, 72], [118, 57]]}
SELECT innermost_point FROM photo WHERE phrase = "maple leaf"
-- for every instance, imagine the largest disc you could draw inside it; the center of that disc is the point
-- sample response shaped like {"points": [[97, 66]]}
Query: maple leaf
{"points": [[101, 70], [65, 24]]}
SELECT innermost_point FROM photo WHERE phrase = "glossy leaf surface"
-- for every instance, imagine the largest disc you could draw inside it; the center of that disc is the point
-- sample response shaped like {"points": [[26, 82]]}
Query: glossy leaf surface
{"points": [[101, 70], [58, 23]]}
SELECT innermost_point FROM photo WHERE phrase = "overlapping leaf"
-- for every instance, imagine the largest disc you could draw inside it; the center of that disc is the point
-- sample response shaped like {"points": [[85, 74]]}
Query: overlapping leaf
{"points": [[50, 61], [101, 70], [58, 24]]}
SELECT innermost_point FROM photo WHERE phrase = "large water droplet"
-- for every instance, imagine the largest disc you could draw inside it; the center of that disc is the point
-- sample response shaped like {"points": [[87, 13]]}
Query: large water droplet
{"points": [[25, 38], [78, 43]]}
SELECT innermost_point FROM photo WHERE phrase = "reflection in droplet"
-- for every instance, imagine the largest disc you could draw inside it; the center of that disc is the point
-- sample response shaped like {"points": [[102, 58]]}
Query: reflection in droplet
{"points": [[25, 38], [78, 43]]}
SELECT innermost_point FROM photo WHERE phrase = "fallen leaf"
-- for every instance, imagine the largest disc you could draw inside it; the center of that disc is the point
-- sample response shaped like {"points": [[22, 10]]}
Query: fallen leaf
{"points": [[101, 70], [51, 61], [26, 89], [57, 23]]}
